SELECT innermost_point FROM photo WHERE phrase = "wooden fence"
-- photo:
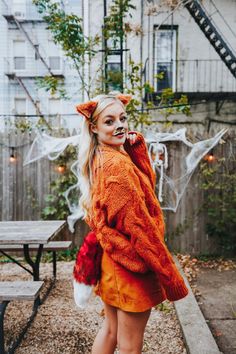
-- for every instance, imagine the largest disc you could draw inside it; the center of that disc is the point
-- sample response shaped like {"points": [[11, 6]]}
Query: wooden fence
{"points": [[23, 189]]}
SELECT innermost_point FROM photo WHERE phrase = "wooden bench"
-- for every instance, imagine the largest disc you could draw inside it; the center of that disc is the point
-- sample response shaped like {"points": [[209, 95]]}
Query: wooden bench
{"points": [[17, 290], [52, 246]]}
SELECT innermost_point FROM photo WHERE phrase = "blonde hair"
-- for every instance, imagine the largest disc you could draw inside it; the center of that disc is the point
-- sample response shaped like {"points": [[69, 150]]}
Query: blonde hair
{"points": [[87, 150]]}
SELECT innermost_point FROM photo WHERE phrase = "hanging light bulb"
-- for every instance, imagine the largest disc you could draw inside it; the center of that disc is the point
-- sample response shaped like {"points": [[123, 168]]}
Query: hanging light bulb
{"points": [[210, 157], [61, 168], [13, 155]]}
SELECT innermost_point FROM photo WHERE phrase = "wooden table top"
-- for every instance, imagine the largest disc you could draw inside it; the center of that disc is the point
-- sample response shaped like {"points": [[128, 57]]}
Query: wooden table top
{"points": [[29, 232]]}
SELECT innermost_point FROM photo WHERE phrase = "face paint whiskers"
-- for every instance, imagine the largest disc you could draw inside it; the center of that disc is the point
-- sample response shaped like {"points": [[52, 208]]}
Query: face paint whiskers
{"points": [[120, 131]]}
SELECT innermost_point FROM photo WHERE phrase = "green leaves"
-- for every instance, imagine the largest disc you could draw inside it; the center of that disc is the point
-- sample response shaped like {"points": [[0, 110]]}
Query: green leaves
{"points": [[176, 105], [67, 31], [52, 84], [219, 184], [56, 204], [115, 27]]}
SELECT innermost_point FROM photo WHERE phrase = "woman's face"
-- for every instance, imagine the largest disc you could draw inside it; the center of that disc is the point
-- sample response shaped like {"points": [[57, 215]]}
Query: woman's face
{"points": [[112, 126]]}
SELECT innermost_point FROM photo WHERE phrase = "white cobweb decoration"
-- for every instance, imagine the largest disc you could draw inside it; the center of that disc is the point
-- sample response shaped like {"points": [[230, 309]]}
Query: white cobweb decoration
{"points": [[48, 146], [170, 188]]}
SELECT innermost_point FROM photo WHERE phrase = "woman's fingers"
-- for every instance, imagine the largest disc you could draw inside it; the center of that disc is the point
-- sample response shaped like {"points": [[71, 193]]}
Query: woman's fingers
{"points": [[132, 137]]}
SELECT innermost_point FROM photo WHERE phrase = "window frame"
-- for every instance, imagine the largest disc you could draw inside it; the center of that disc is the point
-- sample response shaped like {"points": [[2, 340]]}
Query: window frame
{"points": [[59, 60], [20, 98], [19, 56], [173, 55]]}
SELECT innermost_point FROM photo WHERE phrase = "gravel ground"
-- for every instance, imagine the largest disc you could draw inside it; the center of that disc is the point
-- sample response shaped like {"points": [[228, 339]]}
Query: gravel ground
{"points": [[61, 328]]}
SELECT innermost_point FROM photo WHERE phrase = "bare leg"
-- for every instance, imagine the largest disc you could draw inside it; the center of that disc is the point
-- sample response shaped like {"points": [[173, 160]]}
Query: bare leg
{"points": [[131, 328], [106, 339]]}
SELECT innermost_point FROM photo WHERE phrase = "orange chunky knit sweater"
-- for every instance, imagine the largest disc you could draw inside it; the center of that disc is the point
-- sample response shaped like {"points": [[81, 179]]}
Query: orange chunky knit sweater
{"points": [[126, 215]]}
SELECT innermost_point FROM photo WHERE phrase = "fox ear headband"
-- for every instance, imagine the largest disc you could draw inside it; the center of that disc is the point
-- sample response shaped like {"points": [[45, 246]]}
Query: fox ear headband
{"points": [[88, 108]]}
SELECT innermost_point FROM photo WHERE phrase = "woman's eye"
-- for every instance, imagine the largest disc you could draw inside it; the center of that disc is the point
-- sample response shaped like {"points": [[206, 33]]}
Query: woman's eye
{"points": [[123, 119], [109, 122]]}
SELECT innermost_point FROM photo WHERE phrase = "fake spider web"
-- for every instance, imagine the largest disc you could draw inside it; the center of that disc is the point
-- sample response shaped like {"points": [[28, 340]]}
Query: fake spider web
{"points": [[170, 185], [175, 172]]}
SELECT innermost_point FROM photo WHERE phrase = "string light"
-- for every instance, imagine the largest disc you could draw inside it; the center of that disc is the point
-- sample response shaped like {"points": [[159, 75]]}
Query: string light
{"points": [[61, 168], [210, 157], [13, 155]]}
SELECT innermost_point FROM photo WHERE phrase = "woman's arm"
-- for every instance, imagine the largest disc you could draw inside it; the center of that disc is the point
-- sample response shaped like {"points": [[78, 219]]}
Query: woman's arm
{"points": [[127, 218], [138, 152], [105, 206]]}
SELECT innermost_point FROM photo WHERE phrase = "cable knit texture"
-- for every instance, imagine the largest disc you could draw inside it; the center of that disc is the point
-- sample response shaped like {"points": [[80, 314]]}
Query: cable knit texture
{"points": [[127, 217]]}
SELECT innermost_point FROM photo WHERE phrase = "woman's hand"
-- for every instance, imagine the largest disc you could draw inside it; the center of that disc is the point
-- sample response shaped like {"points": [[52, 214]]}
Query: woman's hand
{"points": [[132, 136]]}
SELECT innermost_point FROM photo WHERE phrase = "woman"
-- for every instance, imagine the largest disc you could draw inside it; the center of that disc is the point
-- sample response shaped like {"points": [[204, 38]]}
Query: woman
{"points": [[118, 198]]}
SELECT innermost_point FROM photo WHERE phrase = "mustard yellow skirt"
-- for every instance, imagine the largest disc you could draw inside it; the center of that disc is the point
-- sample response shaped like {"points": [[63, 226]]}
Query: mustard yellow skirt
{"points": [[129, 291]]}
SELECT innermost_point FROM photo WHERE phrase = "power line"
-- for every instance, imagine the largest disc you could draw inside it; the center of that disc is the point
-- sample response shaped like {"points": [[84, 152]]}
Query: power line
{"points": [[11, 146], [137, 110]]}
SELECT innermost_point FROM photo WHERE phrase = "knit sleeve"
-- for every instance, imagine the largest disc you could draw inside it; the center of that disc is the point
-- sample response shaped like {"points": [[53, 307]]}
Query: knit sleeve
{"points": [[131, 220], [139, 155], [117, 244]]}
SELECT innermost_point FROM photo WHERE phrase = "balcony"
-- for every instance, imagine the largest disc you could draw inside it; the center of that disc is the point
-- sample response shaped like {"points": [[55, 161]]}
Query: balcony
{"points": [[23, 11], [29, 67], [197, 78]]}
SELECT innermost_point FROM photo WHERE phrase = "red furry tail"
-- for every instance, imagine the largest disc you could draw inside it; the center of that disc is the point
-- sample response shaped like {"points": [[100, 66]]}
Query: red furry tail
{"points": [[87, 268]]}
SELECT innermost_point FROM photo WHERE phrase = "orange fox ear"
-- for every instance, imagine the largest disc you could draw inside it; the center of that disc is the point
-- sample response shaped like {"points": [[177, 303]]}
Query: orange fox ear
{"points": [[125, 99], [87, 108]]}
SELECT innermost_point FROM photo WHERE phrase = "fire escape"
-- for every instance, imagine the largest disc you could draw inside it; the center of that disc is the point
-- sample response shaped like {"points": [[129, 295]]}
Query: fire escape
{"points": [[201, 78], [12, 19], [212, 34]]}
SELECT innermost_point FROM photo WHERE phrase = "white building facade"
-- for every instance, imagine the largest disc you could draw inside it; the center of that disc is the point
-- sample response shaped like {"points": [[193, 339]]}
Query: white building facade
{"points": [[28, 53], [166, 40]]}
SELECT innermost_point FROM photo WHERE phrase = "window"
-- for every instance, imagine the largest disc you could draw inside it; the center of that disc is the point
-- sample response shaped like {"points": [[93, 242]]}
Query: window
{"points": [[165, 57], [19, 8], [36, 53], [55, 63], [114, 76], [54, 106], [19, 48], [54, 58], [19, 63], [20, 106], [113, 67], [18, 2]]}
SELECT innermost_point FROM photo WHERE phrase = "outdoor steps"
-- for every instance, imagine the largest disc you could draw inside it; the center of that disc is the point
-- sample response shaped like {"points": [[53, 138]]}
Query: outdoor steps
{"points": [[223, 49]]}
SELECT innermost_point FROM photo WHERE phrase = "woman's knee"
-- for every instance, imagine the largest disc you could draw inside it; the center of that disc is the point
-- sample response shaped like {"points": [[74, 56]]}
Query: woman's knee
{"points": [[130, 344], [106, 339], [110, 330], [129, 347], [110, 322]]}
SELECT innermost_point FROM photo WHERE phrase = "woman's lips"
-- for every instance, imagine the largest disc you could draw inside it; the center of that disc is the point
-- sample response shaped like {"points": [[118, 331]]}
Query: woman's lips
{"points": [[119, 135]]}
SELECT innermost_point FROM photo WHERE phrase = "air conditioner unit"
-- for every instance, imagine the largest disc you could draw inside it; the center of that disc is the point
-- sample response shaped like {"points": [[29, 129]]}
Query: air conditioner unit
{"points": [[19, 14]]}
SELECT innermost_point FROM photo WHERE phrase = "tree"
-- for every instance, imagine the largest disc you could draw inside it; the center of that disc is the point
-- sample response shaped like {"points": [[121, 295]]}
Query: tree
{"points": [[67, 32]]}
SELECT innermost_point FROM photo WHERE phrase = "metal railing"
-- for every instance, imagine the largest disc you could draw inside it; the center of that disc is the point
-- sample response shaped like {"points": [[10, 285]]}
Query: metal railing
{"points": [[22, 11], [31, 67], [196, 76]]}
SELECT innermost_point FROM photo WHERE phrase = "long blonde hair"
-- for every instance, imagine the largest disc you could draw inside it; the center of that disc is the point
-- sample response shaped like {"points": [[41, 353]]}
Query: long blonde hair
{"points": [[87, 150]]}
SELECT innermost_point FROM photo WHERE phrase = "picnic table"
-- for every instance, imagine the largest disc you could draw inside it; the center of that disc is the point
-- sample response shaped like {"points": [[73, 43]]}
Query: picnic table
{"points": [[32, 236], [29, 233]]}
